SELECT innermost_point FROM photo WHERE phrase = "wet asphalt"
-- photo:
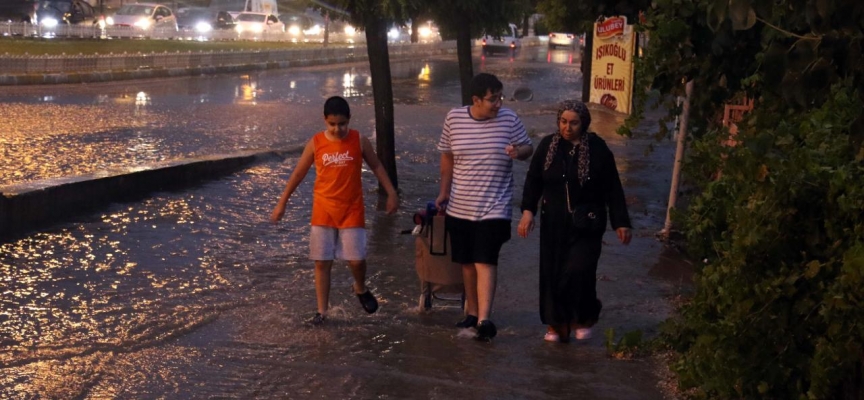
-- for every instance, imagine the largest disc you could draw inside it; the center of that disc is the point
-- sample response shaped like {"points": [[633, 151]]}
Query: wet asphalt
{"points": [[193, 294]]}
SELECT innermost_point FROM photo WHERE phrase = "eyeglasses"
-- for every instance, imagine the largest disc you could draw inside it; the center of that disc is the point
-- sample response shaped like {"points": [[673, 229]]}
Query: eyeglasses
{"points": [[495, 99]]}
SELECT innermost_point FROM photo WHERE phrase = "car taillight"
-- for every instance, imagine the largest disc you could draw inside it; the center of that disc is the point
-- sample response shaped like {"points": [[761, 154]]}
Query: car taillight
{"points": [[512, 45], [551, 35], [483, 42], [569, 36]]}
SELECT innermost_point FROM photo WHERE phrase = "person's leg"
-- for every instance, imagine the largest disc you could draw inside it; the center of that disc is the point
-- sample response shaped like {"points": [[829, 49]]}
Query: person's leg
{"points": [[322, 284], [469, 279], [491, 235], [487, 279], [351, 247], [367, 299], [462, 234], [322, 241], [358, 271], [581, 278]]}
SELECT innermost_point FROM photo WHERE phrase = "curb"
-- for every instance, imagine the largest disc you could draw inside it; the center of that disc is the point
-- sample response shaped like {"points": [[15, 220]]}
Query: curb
{"points": [[26, 207]]}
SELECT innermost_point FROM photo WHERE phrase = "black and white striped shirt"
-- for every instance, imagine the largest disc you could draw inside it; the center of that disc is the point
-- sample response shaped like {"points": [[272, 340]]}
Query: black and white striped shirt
{"points": [[482, 172]]}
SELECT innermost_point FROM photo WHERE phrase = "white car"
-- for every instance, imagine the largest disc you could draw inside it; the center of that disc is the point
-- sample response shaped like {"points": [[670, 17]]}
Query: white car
{"points": [[500, 42], [561, 39], [252, 23], [144, 16]]}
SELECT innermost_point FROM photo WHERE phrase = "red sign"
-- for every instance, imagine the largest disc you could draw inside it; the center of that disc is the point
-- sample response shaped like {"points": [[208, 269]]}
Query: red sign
{"points": [[611, 27]]}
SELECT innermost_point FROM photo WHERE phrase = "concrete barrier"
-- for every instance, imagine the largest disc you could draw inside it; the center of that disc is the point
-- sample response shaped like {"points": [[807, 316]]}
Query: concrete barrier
{"points": [[26, 207]]}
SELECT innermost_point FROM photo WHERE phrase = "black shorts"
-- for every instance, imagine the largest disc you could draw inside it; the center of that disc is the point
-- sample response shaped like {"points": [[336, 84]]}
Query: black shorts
{"points": [[477, 241]]}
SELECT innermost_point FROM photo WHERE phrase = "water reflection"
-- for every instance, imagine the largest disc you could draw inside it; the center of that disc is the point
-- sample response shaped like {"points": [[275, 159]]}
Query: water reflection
{"points": [[88, 128], [423, 76], [559, 57], [247, 91], [355, 85]]}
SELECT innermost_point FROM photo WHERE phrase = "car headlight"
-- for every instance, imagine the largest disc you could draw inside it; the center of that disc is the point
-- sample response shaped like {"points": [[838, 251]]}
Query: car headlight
{"points": [[349, 30], [143, 23], [109, 21], [424, 31], [203, 27], [294, 30], [393, 33], [238, 28], [314, 30], [49, 22], [257, 28]]}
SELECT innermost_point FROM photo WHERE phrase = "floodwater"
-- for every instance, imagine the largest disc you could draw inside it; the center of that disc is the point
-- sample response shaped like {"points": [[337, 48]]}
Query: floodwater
{"points": [[193, 294]]}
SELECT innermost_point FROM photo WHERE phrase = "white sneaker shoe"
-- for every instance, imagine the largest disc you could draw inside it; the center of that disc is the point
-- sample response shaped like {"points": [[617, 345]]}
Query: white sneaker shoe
{"points": [[583, 333]]}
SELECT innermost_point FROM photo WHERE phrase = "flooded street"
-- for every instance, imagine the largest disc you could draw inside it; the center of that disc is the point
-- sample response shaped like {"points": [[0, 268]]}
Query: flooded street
{"points": [[193, 294]]}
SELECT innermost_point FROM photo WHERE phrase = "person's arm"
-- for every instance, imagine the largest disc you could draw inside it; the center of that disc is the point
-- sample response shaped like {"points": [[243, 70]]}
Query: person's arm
{"points": [[532, 191], [618, 215], [519, 152], [378, 169], [300, 171], [520, 147], [446, 180]]}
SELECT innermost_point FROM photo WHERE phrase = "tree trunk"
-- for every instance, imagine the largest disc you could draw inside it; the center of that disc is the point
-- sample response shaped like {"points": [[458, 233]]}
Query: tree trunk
{"points": [[526, 24], [415, 26], [587, 57], [466, 64], [382, 93], [326, 29]]}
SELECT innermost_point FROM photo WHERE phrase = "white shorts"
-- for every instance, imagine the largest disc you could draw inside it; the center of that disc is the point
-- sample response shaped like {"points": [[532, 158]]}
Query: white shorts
{"points": [[328, 243]]}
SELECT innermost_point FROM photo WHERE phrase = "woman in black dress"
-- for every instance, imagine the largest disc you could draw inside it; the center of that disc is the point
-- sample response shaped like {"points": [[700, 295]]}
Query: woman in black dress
{"points": [[574, 179]]}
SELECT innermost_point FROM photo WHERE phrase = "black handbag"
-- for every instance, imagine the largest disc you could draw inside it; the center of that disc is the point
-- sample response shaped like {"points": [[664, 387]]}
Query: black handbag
{"points": [[584, 216], [590, 217]]}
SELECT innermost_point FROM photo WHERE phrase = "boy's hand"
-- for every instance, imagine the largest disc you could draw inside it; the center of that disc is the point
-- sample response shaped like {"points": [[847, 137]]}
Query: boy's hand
{"points": [[441, 202], [512, 151], [277, 214], [392, 204]]}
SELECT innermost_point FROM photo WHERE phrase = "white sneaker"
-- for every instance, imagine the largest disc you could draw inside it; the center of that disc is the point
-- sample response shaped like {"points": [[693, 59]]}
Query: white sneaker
{"points": [[583, 333]]}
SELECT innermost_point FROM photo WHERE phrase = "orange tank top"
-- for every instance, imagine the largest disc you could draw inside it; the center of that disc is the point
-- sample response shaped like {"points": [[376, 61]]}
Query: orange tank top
{"points": [[338, 192]]}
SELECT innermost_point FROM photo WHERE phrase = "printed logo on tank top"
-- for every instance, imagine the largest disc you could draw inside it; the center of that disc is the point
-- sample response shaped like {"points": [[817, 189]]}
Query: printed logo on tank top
{"points": [[339, 159]]}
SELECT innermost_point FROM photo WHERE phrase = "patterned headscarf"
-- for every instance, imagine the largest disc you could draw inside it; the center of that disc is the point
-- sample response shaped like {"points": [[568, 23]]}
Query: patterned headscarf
{"points": [[584, 121]]}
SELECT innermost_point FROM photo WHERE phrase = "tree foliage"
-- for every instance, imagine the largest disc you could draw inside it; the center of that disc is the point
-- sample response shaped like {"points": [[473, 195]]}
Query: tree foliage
{"points": [[465, 20], [777, 215], [375, 16]]}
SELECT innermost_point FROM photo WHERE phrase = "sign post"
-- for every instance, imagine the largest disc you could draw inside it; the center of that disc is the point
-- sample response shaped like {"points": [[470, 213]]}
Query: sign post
{"points": [[611, 83]]}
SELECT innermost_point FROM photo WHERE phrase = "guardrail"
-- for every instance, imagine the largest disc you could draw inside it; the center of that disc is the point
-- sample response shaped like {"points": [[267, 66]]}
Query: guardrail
{"points": [[13, 65], [93, 30]]}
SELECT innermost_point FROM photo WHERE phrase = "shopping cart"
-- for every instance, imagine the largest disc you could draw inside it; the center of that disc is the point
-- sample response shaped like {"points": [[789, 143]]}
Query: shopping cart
{"points": [[440, 278]]}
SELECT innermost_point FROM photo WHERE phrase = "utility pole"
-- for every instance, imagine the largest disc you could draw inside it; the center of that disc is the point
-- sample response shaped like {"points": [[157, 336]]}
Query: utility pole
{"points": [[679, 159]]}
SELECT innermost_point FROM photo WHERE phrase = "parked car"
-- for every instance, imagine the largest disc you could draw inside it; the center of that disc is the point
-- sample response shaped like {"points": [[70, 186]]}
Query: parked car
{"points": [[202, 19], [256, 23], [144, 16], [500, 41], [561, 39], [296, 24], [50, 13]]}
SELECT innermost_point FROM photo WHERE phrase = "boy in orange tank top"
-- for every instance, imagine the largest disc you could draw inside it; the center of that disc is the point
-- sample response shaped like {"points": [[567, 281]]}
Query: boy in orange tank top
{"points": [[338, 215]]}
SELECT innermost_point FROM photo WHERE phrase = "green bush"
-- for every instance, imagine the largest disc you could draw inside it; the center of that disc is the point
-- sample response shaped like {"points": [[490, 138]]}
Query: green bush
{"points": [[777, 220], [779, 308]]}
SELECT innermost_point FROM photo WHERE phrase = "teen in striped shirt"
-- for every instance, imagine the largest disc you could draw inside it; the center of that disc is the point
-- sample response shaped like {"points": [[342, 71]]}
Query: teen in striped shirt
{"points": [[478, 145]]}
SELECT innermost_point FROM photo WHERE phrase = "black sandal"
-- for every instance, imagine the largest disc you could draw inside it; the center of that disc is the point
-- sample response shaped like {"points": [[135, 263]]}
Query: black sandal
{"points": [[368, 301]]}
